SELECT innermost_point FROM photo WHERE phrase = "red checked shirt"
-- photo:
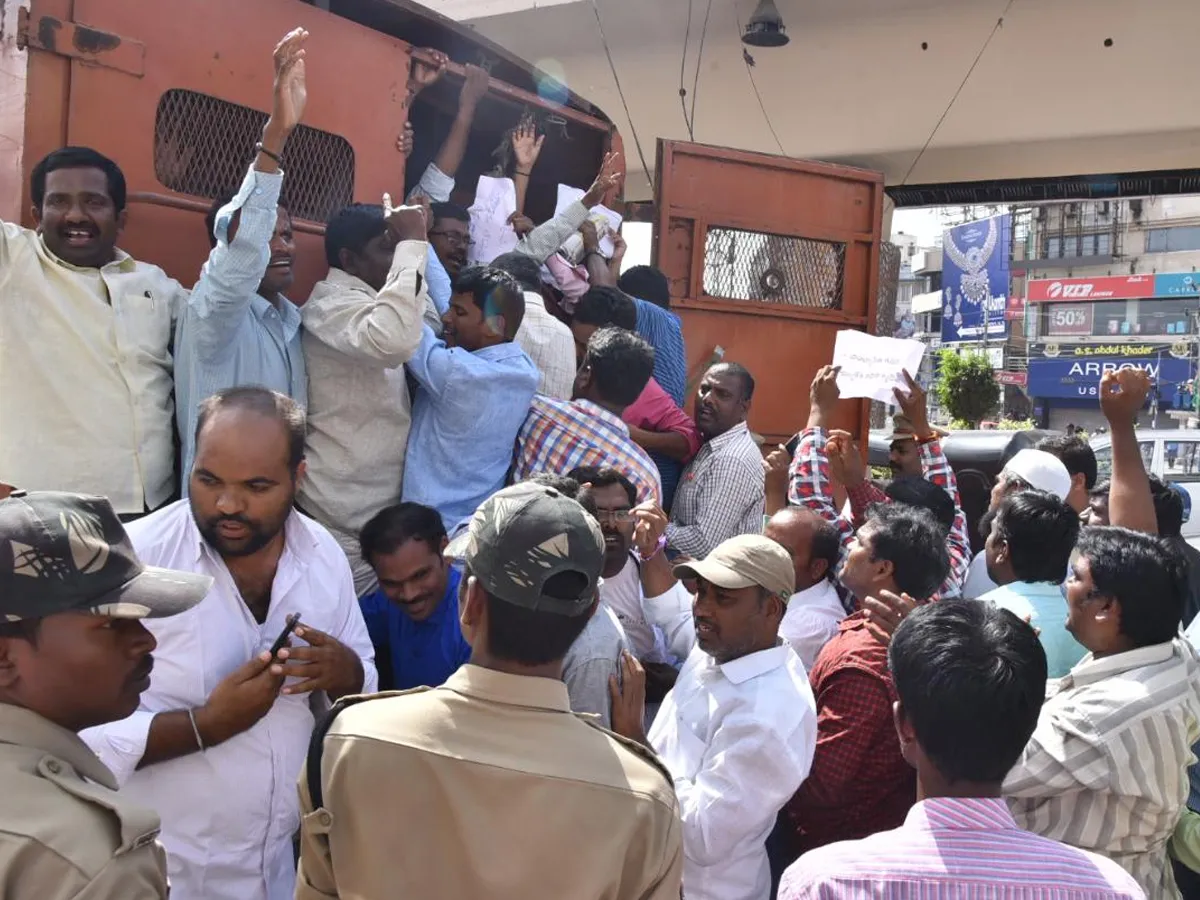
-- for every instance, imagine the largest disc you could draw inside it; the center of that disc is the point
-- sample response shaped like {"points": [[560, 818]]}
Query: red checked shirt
{"points": [[810, 485], [859, 782]]}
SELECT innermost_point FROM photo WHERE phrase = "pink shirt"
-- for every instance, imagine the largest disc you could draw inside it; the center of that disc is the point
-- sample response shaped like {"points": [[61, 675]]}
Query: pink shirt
{"points": [[654, 410], [954, 848]]}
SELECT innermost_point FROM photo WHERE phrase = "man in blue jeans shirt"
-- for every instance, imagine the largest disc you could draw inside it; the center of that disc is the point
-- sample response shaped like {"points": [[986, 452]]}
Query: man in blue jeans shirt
{"points": [[413, 616]]}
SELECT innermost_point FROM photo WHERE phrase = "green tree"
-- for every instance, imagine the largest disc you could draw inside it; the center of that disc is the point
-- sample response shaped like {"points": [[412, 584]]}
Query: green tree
{"points": [[966, 386]]}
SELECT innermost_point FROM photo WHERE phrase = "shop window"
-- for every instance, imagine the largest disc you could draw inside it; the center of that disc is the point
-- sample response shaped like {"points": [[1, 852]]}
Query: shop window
{"points": [[202, 146], [1172, 240]]}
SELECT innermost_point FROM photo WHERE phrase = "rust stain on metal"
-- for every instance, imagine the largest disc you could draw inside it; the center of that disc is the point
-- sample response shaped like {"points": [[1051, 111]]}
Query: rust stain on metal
{"points": [[48, 28], [93, 40]]}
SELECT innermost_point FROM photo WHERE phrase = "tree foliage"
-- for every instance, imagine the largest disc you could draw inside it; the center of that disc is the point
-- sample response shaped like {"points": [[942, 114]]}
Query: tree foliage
{"points": [[966, 386]]}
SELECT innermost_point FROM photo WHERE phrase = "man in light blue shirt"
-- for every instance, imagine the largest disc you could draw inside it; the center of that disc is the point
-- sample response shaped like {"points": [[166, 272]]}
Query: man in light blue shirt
{"points": [[475, 387], [238, 328], [1027, 551]]}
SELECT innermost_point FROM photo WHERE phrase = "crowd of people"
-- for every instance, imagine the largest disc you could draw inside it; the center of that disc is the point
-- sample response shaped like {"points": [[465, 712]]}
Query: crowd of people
{"points": [[440, 546]]}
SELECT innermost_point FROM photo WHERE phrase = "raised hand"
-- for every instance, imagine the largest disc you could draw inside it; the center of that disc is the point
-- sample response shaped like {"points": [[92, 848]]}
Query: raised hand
{"points": [[404, 143], [650, 524], [886, 612], [474, 89], [521, 224], [1123, 394], [914, 405], [823, 396], [290, 91], [410, 222], [527, 145], [845, 460], [422, 74], [607, 179]]}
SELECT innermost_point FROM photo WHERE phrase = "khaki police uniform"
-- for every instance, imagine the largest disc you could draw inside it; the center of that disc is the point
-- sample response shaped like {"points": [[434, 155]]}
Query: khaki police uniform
{"points": [[64, 832], [487, 787]]}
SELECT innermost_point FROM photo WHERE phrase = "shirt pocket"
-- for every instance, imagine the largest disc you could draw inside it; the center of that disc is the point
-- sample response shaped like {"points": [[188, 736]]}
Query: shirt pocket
{"points": [[143, 323]]}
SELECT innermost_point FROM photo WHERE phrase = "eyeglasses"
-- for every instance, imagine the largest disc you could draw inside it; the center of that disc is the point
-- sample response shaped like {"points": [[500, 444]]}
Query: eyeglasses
{"points": [[454, 238], [614, 516]]}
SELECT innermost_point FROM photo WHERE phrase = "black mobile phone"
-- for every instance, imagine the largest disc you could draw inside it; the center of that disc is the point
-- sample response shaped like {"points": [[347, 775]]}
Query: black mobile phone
{"points": [[292, 621], [793, 444]]}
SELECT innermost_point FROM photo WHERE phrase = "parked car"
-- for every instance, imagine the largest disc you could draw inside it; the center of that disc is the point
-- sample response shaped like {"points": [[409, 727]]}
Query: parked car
{"points": [[1173, 454]]}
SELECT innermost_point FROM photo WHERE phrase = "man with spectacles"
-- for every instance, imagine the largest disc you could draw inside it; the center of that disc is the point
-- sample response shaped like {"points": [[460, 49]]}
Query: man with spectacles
{"points": [[450, 236]]}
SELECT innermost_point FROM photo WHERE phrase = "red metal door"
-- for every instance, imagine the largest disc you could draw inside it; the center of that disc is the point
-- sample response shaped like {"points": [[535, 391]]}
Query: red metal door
{"points": [[768, 259]]}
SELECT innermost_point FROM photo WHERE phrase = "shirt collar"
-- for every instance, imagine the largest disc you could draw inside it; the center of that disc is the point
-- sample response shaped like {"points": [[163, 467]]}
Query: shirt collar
{"points": [[599, 412], [729, 436], [821, 592], [121, 262], [26, 728], [344, 278], [961, 814], [742, 669], [289, 315], [296, 536], [515, 690], [1091, 670]]}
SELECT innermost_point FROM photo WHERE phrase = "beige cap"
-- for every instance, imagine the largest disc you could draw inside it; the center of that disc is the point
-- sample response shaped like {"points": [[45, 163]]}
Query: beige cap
{"points": [[744, 561]]}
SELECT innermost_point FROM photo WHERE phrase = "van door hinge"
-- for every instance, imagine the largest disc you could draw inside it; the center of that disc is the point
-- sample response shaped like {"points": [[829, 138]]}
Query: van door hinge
{"points": [[82, 42]]}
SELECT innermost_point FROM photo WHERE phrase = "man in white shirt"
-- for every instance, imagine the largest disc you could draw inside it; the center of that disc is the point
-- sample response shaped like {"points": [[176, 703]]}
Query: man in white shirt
{"points": [[815, 610], [85, 334], [739, 729], [547, 340], [220, 737]]}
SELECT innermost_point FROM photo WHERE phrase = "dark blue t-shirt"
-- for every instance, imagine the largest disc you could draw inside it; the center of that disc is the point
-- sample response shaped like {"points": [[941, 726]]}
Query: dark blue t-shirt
{"points": [[418, 653]]}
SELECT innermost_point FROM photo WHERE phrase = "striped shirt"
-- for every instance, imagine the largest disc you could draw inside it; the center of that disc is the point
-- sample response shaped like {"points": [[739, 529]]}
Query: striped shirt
{"points": [[1106, 767], [720, 496], [559, 436], [956, 849]]}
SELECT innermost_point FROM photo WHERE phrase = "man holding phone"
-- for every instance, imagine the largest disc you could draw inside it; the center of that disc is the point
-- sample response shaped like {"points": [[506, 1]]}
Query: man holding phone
{"points": [[217, 742]]}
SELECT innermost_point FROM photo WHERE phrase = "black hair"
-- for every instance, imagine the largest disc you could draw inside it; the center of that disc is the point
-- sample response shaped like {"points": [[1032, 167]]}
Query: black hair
{"points": [[605, 306], [495, 292], [621, 364], [265, 402], [742, 373], [971, 679], [916, 491], [1076, 454], [23, 630], [351, 228], [1100, 491], [564, 484], [646, 283], [1041, 531], [602, 478], [1168, 508], [395, 526], [441, 211], [524, 270], [826, 545], [224, 199], [1147, 575], [912, 541], [532, 637], [77, 158]]}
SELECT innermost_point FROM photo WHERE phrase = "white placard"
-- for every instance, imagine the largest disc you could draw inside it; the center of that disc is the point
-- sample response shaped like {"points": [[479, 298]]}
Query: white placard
{"points": [[568, 195], [874, 366], [491, 233]]}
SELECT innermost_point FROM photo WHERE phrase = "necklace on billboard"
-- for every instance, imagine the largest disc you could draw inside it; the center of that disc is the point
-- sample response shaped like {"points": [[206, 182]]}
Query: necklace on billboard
{"points": [[974, 287]]}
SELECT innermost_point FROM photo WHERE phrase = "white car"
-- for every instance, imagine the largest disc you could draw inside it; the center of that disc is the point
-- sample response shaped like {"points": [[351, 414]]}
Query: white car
{"points": [[1173, 454]]}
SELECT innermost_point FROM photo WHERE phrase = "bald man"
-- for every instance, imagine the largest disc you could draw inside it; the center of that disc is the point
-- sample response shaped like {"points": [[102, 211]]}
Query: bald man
{"points": [[815, 610]]}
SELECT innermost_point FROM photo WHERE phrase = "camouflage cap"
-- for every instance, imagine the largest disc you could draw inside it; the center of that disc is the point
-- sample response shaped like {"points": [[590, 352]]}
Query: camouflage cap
{"points": [[70, 553], [523, 536]]}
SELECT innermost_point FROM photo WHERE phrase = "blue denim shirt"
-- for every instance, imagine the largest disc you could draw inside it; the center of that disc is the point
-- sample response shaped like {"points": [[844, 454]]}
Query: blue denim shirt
{"points": [[466, 414]]}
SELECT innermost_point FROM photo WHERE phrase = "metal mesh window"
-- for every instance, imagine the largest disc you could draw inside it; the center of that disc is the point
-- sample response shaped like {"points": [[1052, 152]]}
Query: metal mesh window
{"points": [[202, 146], [771, 268]]}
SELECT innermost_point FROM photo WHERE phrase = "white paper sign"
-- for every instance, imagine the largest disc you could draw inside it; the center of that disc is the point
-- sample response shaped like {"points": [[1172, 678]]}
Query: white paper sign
{"points": [[874, 366], [600, 213], [491, 233]]}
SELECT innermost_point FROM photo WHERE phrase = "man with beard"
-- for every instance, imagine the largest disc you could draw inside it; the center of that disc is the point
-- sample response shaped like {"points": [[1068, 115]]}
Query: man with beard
{"points": [[74, 653], [721, 492], [238, 327], [413, 617], [218, 741]]}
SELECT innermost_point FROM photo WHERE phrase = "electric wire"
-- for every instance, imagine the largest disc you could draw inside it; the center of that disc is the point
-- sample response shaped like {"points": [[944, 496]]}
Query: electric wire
{"points": [[616, 78], [687, 36], [754, 84], [699, 60]]}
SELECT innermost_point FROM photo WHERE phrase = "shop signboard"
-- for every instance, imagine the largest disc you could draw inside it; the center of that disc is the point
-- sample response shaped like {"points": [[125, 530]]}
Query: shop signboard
{"points": [[1177, 284], [1079, 290], [975, 279], [1017, 379], [1074, 372], [1069, 319]]}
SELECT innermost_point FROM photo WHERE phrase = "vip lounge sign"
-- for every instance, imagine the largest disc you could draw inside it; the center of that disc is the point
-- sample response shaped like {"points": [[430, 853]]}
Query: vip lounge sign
{"points": [[1076, 290]]}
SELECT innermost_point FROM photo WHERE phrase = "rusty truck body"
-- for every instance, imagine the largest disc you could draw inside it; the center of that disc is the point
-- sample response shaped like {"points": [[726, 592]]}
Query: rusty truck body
{"points": [[768, 257]]}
